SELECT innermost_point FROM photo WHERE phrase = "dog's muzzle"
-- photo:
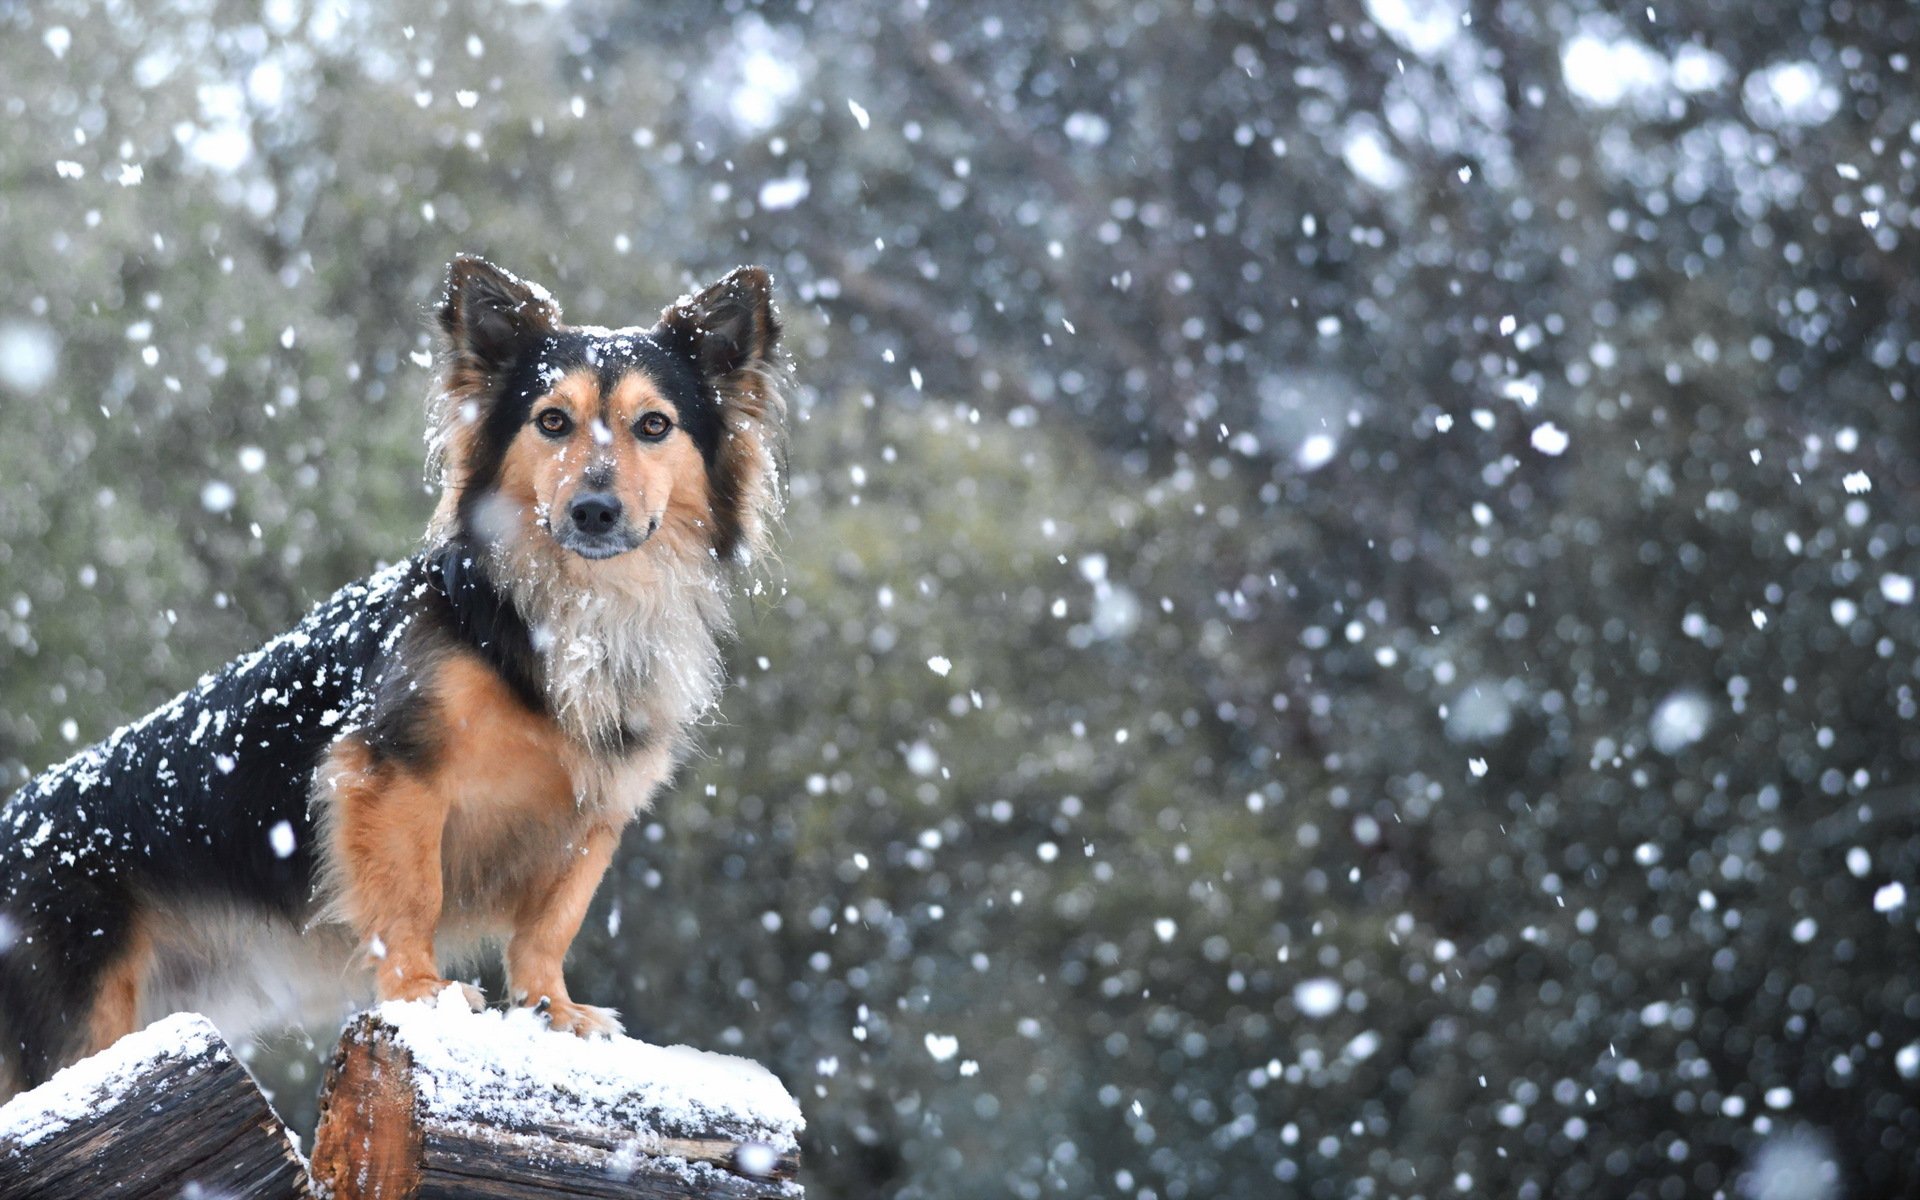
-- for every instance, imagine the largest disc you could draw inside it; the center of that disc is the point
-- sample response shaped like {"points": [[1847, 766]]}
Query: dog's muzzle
{"points": [[597, 527]]}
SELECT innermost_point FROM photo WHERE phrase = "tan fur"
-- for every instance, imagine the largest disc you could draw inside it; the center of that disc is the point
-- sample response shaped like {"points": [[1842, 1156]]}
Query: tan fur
{"points": [[753, 406], [493, 843], [116, 998], [662, 482]]}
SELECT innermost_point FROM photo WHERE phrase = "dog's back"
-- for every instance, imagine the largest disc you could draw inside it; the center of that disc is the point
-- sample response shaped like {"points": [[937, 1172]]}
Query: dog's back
{"points": [[181, 835]]}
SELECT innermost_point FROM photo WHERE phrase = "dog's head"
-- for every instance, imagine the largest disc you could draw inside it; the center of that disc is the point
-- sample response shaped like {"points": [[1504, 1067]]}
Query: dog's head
{"points": [[593, 450]]}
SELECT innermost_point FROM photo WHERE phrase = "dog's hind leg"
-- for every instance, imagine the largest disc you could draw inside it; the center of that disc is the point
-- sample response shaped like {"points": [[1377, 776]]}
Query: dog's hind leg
{"points": [[118, 989], [72, 978]]}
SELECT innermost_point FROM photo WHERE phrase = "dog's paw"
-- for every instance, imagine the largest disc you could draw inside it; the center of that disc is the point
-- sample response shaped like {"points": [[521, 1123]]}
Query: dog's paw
{"points": [[582, 1020], [436, 991]]}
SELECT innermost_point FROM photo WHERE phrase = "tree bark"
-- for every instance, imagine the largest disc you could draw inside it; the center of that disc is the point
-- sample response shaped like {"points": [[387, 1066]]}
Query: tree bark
{"points": [[517, 1111], [163, 1113]]}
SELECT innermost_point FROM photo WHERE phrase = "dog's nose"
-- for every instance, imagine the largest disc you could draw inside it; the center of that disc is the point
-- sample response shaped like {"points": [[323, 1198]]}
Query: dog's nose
{"points": [[595, 512]]}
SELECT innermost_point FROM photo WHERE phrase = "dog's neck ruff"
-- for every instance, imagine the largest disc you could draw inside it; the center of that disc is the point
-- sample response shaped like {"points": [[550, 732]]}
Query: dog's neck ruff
{"points": [[628, 661]]}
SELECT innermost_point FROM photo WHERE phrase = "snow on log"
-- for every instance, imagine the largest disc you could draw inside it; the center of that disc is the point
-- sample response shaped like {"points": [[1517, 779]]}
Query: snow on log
{"points": [[165, 1112], [426, 1101]]}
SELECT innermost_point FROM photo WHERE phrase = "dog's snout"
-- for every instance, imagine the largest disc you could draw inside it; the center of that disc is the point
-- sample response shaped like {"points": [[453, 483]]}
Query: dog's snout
{"points": [[595, 512]]}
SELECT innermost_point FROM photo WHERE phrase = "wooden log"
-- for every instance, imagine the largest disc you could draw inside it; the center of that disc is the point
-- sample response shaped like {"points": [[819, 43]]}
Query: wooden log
{"points": [[165, 1112], [423, 1102]]}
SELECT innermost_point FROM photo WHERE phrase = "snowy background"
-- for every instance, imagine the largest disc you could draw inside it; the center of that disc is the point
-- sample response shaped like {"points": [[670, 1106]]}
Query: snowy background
{"points": [[1349, 618]]}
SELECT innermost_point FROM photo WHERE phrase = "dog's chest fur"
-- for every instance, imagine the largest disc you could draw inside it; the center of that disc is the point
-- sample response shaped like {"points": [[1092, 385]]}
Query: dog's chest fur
{"points": [[520, 789]]}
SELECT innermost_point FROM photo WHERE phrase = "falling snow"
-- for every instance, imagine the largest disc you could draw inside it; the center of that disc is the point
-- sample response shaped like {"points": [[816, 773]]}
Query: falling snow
{"points": [[1345, 621]]}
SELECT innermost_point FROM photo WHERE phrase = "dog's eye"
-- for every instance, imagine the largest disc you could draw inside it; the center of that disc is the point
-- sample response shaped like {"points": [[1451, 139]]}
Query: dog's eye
{"points": [[553, 422], [653, 426]]}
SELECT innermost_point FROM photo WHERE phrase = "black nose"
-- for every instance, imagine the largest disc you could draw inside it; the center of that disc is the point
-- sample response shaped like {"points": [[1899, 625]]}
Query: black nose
{"points": [[595, 512]]}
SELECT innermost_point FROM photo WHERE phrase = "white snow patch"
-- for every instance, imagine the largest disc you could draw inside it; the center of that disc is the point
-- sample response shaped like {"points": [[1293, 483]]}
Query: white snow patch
{"points": [[29, 355], [1890, 897], [1604, 67], [1907, 1061], [763, 70], [940, 664], [1116, 611], [1550, 439], [1698, 69], [779, 194], [1089, 129], [1794, 1165], [1318, 998], [1857, 483], [1524, 392], [1605, 71], [1790, 93], [942, 1046], [216, 495], [509, 1068], [1425, 27], [922, 759], [1682, 719], [756, 1158], [281, 838], [1897, 589], [1316, 450], [92, 1084], [1369, 156]]}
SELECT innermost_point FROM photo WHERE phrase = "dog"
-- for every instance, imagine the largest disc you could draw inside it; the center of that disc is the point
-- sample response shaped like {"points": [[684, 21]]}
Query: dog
{"points": [[439, 759]]}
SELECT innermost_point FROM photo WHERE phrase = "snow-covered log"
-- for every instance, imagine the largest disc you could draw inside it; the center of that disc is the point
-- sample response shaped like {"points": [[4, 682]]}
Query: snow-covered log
{"points": [[435, 1101], [164, 1112]]}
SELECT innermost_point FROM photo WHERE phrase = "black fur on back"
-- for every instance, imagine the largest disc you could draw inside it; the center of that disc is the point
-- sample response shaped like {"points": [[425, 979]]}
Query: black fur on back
{"points": [[185, 804]]}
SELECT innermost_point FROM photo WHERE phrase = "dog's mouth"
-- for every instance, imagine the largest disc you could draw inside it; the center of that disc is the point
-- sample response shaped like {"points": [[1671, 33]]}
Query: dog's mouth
{"points": [[611, 543]]}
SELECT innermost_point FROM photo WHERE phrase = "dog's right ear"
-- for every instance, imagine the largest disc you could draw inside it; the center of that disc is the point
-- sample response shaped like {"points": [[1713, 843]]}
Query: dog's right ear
{"points": [[489, 313]]}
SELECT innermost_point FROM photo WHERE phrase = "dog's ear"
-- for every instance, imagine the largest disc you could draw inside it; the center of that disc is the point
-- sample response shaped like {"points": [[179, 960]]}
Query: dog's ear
{"points": [[490, 313], [728, 327]]}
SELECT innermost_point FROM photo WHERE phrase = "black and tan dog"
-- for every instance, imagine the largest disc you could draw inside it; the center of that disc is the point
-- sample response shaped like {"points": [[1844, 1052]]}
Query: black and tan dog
{"points": [[441, 757]]}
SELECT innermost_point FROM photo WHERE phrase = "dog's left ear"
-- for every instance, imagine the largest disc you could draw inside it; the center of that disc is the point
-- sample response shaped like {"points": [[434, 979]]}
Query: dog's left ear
{"points": [[489, 314], [727, 328]]}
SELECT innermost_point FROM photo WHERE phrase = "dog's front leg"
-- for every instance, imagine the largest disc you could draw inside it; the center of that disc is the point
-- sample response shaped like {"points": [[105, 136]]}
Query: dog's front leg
{"points": [[388, 831], [545, 922]]}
